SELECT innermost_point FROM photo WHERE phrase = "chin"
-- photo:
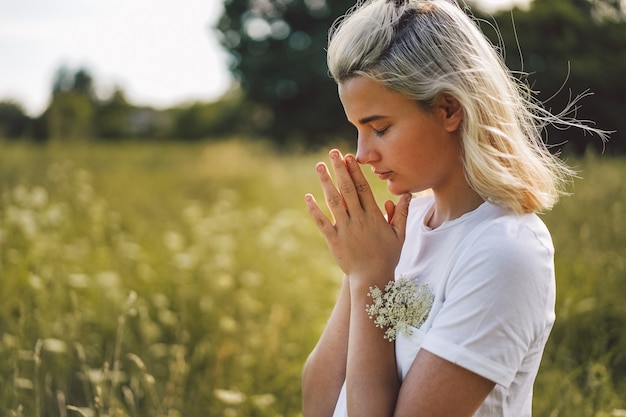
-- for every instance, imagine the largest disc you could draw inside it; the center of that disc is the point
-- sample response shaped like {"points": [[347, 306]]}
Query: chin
{"points": [[397, 190]]}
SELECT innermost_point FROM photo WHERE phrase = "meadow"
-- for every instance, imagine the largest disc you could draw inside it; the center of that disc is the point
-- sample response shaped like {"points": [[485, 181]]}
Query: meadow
{"points": [[172, 280]]}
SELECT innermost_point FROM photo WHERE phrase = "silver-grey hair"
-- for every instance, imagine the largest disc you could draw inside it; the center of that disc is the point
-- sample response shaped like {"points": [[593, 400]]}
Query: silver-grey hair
{"points": [[425, 48]]}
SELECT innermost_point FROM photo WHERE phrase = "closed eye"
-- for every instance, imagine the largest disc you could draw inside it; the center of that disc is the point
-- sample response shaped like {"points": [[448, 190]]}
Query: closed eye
{"points": [[381, 132]]}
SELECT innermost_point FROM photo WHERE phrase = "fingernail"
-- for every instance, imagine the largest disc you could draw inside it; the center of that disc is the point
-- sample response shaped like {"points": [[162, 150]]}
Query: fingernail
{"points": [[334, 154], [350, 159]]}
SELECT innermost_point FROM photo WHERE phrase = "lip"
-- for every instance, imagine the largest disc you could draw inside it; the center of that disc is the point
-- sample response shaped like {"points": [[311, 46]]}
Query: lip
{"points": [[384, 175]]}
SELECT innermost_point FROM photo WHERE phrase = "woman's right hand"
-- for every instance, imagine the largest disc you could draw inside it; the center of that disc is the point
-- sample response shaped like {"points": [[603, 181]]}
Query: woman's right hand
{"points": [[365, 244]]}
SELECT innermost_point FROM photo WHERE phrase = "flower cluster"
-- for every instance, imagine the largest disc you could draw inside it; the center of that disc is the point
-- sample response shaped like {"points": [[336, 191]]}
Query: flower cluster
{"points": [[402, 304]]}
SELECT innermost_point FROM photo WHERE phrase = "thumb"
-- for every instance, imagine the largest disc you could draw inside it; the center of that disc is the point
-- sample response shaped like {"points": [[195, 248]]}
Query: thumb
{"points": [[400, 214]]}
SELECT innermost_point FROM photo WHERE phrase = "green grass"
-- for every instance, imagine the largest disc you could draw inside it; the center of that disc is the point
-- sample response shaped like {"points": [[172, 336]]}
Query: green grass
{"points": [[187, 280]]}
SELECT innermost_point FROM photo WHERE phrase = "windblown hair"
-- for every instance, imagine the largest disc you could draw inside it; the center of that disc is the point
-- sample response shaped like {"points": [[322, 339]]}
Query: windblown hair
{"points": [[425, 48]]}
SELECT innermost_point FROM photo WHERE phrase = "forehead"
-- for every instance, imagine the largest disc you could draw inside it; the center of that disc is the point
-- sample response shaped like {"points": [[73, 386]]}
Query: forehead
{"points": [[360, 86], [363, 97]]}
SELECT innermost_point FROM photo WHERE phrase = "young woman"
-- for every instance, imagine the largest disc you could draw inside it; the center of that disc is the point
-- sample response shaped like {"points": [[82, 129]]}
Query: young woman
{"points": [[435, 109]]}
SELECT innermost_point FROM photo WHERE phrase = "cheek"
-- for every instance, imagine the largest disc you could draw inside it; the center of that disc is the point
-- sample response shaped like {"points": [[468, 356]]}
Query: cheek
{"points": [[411, 150]]}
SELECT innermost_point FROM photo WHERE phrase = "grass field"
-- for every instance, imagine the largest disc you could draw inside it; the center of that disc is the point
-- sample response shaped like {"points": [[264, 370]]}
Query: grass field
{"points": [[187, 280]]}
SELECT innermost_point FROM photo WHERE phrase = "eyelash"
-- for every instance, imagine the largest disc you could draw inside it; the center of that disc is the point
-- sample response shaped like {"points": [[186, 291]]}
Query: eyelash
{"points": [[381, 132]]}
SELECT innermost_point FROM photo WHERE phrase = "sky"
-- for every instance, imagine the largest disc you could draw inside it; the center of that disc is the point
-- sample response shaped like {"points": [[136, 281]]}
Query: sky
{"points": [[159, 52]]}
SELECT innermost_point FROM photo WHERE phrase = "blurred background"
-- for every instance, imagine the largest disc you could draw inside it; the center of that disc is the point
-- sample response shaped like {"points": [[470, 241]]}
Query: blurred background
{"points": [[109, 70], [156, 257]]}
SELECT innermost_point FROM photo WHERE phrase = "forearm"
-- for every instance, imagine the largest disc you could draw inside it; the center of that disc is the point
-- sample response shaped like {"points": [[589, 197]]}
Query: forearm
{"points": [[325, 370], [372, 379], [362, 242]]}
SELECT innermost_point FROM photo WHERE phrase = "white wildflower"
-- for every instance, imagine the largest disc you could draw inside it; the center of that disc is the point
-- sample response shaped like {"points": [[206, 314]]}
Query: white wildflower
{"points": [[228, 324], [54, 345], [174, 241], [108, 279], [185, 260], [35, 281], [402, 304], [224, 281], [263, 400], [38, 197], [192, 213], [78, 280], [229, 397], [23, 383]]}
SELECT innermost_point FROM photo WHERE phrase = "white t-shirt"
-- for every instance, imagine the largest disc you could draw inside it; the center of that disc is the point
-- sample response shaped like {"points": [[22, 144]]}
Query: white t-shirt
{"points": [[492, 273]]}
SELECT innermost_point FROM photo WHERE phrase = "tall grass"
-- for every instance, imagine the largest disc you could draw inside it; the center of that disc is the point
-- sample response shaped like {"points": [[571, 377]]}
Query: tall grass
{"points": [[584, 369], [188, 280]]}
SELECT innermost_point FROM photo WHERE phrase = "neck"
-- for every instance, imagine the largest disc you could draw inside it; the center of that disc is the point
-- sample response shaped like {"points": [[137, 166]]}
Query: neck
{"points": [[452, 205]]}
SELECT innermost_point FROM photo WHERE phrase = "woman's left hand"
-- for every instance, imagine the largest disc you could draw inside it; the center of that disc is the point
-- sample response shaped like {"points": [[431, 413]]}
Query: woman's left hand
{"points": [[365, 245]]}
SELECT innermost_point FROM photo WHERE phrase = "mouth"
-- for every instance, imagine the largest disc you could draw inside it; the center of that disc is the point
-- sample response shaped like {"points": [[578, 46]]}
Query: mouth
{"points": [[383, 175]]}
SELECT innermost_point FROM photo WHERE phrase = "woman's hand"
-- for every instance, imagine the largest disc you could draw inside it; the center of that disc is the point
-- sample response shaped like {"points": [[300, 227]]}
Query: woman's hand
{"points": [[365, 245]]}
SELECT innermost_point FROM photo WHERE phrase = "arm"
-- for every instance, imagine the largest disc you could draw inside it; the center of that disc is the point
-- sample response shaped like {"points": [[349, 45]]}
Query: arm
{"points": [[435, 387], [370, 358], [325, 369], [367, 247], [372, 380], [497, 310]]}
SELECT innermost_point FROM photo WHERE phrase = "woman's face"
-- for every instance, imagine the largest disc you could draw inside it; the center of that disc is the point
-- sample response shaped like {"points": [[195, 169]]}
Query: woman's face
{"points": [[412, 149]]}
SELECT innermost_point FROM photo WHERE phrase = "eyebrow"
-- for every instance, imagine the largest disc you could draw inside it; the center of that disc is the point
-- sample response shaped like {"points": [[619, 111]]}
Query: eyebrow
{"points": [[373, 118]]}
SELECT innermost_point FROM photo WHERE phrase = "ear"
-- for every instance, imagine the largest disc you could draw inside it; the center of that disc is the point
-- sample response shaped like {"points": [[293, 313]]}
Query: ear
{"points": [[453, 112]]}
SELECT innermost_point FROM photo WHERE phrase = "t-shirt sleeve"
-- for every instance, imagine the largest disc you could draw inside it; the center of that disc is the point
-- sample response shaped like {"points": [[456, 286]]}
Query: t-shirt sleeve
{"points": [[498, 300]]}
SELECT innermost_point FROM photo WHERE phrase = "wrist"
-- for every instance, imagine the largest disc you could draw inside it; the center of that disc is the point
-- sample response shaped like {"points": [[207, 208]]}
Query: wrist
{"points": [[360, 283]]}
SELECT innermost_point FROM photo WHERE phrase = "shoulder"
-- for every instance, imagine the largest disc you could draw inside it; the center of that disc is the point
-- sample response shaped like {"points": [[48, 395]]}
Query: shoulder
{"points": [[512, 237], [508, 251]]}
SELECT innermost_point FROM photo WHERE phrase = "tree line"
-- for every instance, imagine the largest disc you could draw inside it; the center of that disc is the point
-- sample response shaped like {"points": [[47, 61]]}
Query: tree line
{"points": [[568, 48], [76, 113], [283, 93]]}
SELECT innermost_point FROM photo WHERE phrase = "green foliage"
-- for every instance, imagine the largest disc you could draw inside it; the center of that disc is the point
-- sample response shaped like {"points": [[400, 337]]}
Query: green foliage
{"points": [[277, 55], [79, 81], [69, 116], [170, 280], [76, 112], [179, 292], [571, 46], [113, 117], [201, 120], [14, 122], [585, 360], [71, 111]]}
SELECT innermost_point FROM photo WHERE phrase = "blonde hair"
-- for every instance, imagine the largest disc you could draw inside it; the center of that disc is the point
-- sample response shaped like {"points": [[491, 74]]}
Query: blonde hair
{"points": [[425, 48]]}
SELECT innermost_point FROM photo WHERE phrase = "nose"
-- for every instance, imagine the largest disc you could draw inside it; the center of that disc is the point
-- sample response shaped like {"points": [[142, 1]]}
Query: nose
{"points": [[365, 152]]}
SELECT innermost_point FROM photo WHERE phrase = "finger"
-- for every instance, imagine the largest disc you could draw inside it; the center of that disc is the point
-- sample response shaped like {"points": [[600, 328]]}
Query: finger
{"points": [[400, 215], [334, 199], [362, 187], [321, 221], [345, 183], [390, 208]]}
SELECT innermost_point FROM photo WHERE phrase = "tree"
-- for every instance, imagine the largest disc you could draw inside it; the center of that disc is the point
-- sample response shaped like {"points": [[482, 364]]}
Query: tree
{"points": [[112, 117], [202, 120], [277, 56], [69, 116], [71, 110], [570, 47], [14, 122], [81, 81]]}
